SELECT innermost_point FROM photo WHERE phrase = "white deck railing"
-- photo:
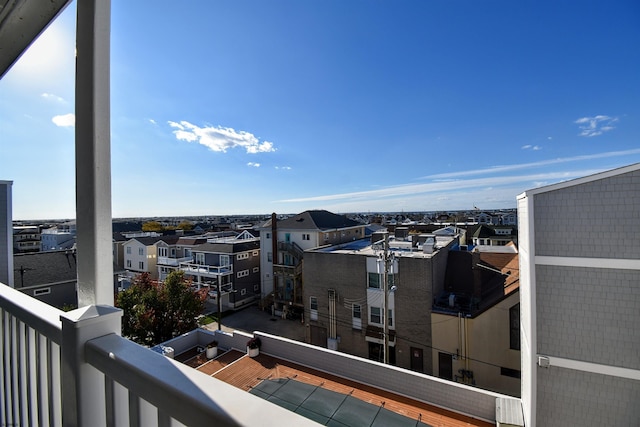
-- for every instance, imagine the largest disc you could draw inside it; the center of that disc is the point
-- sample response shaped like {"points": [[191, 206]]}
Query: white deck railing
{"points": [[72, 368]]}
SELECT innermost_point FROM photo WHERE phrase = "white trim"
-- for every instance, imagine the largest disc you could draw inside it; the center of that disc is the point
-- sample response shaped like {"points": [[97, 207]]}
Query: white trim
{"points": [[595, 368], [619, 264]]}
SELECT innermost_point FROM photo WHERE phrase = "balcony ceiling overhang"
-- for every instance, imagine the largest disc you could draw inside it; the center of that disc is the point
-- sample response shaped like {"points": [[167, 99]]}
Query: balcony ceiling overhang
{"points": [[21, 22]]}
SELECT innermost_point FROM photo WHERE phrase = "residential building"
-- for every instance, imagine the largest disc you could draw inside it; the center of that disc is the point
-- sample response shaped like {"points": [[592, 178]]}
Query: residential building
{"points": [[26, 239], [141, 254], [171, 255], [475, 322], [493, 235], [346, 303], [282, 244], [59, 237], [229, 266], [6, 234], [580, 294]]}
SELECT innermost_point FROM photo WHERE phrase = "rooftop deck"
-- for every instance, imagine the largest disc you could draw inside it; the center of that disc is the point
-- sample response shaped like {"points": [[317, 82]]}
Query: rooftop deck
{"points": [[246, 373]]}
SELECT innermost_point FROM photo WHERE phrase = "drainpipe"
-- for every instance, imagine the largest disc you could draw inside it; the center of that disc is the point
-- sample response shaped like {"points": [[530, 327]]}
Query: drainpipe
{"points": [[274, 251]]}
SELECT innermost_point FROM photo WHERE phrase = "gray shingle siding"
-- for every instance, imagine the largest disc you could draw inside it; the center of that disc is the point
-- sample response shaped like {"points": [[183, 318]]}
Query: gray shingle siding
{"points": [[568, 397], [591, 220], [589, 314]]}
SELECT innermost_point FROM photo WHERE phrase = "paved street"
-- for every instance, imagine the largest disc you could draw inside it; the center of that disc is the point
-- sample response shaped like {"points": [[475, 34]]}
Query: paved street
{"points": [[252, 319]]}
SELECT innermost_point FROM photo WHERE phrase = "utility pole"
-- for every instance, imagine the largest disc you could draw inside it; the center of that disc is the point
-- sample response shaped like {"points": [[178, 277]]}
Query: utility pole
{"points": [[385, 288]]}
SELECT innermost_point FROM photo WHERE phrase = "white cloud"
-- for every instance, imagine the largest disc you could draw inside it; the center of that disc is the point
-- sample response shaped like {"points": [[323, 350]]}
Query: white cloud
{"points": [[52, 97], [153, 122], [531, 147], [219, 138], [285, 168], [65, 120], [255, 165], [594, 126]]}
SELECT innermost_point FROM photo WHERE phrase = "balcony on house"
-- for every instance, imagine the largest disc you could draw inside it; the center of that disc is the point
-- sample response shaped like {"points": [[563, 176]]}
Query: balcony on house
{"points": [[213, 271], [172, 261]]}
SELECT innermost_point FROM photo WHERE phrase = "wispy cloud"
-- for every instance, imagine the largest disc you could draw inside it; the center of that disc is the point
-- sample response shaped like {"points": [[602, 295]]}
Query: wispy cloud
{"points": [[501, 185], [52, 97], [153, 122], [285, 168], [531, 147], [521, 166], [65, 120], [594, 126], [452, 186], [252, 164], [220, 139]]}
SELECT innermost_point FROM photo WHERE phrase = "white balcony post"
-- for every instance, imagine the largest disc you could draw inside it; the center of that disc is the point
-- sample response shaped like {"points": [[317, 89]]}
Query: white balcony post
{"points": [[83, 386], [93, 153]]}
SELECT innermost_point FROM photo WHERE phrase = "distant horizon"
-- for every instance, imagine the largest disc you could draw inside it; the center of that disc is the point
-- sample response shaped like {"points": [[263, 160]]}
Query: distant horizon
{"points": [[346, 106], [268, 215]]}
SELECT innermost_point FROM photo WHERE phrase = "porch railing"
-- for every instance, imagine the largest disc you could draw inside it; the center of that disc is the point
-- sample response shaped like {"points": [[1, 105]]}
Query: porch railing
{"points": [[73, 368]]}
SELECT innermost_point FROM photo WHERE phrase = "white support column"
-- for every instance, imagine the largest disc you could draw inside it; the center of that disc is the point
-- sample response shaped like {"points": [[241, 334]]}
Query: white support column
{"points": [[83, 390], [93, 153]]}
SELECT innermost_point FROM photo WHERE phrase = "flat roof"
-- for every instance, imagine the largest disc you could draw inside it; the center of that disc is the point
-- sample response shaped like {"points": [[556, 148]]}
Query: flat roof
{"points": [[325, 398]]}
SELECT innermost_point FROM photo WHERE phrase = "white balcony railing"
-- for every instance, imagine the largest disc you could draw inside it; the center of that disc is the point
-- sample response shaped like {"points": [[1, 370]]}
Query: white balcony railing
{"points": [[73, 368], [172, 262], [206, 270]]}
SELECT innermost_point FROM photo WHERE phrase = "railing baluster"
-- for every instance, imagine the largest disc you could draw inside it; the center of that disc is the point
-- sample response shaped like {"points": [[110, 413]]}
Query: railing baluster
{"points": [[12, 371], [56, 384], [109, 398], [20, 375], [3, 355], [134, 410], [28, 374], [39, 377], [164, 420]]}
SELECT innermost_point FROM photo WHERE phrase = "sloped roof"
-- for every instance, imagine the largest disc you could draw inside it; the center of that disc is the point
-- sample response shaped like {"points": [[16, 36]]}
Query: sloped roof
{"points": [[317, 220], [148, 241], [42, 268]]}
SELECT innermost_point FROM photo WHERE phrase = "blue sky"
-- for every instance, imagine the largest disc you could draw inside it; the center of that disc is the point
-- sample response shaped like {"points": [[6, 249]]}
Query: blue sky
{"points": [[230, 107]]}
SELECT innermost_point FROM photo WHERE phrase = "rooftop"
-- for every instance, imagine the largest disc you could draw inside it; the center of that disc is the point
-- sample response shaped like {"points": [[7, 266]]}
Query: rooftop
{"points": [[321, 396]]}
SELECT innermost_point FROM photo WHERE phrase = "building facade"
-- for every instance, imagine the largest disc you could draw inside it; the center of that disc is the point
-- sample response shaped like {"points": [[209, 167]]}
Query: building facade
{"points": [[580, 293], [345, 302], [282, 245], [229, 267]]}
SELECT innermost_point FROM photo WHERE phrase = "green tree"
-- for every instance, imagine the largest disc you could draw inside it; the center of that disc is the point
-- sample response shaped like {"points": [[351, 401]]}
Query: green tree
{"points": [[156, 312], [152, 226]]}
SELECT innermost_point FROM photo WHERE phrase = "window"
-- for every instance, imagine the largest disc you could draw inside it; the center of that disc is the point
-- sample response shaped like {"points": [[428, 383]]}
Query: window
{"points": [[514, 327], [356, 313], [374, 280], [141, 251], [243, 273], [306, 236], [513, 373], [173, 252], [128, 250], [268, 235], [199, 258], [256, 269], [375, 315], [225, 260], [269, 257], [313, 308], [256, 288], [162, 251], [390, 314], [187, 252], [141, 265], [242, 256], [43, 291], [255, 253], [128, 263], [243, 292]]}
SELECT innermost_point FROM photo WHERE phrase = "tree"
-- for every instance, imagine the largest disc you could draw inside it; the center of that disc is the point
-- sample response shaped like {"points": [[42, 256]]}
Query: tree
{"points": [[152, 226], [155, 312], [185, 225]]}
